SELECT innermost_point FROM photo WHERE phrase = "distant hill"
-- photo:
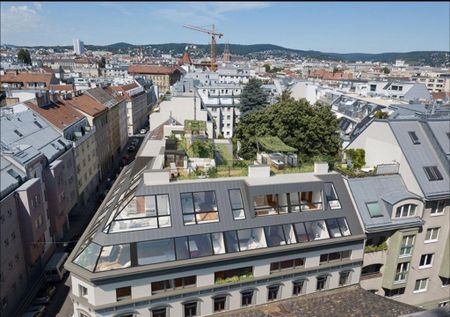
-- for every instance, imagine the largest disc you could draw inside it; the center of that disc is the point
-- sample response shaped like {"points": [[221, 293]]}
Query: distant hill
{"points": [[432, 58]]}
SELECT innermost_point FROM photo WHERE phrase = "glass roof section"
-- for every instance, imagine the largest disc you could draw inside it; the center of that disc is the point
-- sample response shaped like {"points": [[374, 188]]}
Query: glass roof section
{"points": [[96, 258]]}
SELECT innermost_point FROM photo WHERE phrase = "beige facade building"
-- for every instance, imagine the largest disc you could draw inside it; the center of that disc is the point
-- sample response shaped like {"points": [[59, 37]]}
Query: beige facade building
{"points": [[161, 76]]}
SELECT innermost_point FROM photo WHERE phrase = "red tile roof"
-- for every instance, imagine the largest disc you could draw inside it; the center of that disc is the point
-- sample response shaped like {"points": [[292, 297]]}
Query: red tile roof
{"points": [[25, 77], [58, 113], [87, 105], [149, 69]]}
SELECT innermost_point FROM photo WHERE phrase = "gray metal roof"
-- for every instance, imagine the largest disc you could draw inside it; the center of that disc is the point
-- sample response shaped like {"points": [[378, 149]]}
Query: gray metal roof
{"points": [[384, 190], [427, 153]]}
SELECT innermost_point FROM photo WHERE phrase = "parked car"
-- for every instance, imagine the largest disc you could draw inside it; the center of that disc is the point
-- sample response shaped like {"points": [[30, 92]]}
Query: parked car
{"points": [[131, 148], [143, 131]]}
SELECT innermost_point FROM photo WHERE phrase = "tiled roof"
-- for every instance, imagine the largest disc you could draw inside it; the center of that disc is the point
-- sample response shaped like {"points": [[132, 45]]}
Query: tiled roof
{"points": [[27, 77], [60, 114], [87, 105], [148, 69], [340, 302]]}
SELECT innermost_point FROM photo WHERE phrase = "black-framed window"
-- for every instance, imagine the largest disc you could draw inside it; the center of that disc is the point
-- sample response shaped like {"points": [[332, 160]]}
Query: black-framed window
{"points": [[159, 312], [191, 309], [297, 287], [199, 207], [414, 137], [321, 282], [231, 241], [173, 284], [220, 303], [275, 236], [156, 251], [332, 197], [335, 256], [237, 205], [123, 293], [273, 292], [344, 278], [247, 297], [287, 265]]}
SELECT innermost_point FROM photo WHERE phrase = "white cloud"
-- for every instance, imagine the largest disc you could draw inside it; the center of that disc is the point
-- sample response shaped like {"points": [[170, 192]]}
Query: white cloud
{"points": [[19, 19], [206, 12]]}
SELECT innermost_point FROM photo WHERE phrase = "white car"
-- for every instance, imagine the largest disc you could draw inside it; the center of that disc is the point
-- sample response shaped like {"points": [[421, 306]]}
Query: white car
{"points": [[143, 131]]}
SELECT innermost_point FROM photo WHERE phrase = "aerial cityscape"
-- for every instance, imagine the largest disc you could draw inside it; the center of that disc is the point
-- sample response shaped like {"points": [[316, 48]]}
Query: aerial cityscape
{"points": [[226, 159]]}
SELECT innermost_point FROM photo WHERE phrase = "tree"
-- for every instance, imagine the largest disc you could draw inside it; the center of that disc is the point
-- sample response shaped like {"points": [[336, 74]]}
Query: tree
{"points": [[381, 114], [385, 70], [253, 96], [312, 130], [286, 95], [267, 67], [358, 157], [24, 56], [102, 63]]}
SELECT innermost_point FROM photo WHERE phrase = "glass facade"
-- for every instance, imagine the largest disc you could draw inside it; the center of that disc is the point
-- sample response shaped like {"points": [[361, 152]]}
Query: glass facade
{"points": [[199, 207]]}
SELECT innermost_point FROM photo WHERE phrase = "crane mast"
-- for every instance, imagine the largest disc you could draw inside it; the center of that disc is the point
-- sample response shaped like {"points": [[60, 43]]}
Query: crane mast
{"points": [[213, 34]]}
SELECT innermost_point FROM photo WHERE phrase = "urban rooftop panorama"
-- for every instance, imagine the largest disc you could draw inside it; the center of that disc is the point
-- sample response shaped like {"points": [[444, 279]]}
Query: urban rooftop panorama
{"points": [[157, 160]]}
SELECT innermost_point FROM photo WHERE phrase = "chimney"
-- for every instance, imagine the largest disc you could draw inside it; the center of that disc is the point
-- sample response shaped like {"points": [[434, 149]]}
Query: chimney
{"points": [[258, 171], [320, 168], [156, 177]]}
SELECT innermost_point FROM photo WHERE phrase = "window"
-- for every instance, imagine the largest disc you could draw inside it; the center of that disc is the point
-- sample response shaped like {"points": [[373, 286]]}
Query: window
{"points": [[426, 261], [421, 285], [247, 298], [83, 291], [344, 278], [437, 207], [190, 309], [332, 198], [237, 205], [273, 292], [371, 269], [433, 173], [150, 252], [266, 205], [445, 281], [401, 272], [275, 236], [338, 227], [432, 235], [199, 207], [321, 282], [231, 241], [335, 256], [444, 303], [220, 303], [374, 209], [233, 275], [394, 292], [317, 230], [123, 293], [200, 245], [173, 284], [159, 312], [414, 137], [408, 210], [407, 245], [297, 287], [287, 265], [250, 239]]}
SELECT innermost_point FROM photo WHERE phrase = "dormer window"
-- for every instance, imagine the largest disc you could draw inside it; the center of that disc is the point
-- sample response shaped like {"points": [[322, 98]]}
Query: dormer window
{"points": [[408, 210], [433, 173]]}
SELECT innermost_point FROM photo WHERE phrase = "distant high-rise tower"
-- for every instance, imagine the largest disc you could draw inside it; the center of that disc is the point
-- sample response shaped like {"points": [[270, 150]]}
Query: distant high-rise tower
{"points": [[78, 47], [226, 57]]}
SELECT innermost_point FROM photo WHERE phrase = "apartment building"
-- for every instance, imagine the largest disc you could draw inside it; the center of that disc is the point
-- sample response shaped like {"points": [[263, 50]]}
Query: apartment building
{"points": [[222, 101], [412, 209], [199, 247], [97, 116], [161, 76], [117, 117], [38, 190], [435, 82], [136, 106], [73, 126], [400, 90]]}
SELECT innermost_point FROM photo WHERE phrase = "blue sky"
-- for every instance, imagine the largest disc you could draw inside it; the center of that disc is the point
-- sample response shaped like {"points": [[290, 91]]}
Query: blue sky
{"points": [[325, 26]]}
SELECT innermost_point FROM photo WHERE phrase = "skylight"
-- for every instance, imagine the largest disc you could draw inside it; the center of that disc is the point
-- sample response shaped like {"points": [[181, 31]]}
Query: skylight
{"points": [[414, 138], [433, 173], [374, 209]]}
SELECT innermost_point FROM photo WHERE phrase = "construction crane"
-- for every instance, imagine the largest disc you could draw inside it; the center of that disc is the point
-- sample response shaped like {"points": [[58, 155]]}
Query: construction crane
{"points": [[213, 34]]}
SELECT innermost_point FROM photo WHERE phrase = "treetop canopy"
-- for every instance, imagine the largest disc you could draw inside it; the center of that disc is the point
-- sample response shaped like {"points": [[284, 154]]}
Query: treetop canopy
{"points": [[274, 144]]}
